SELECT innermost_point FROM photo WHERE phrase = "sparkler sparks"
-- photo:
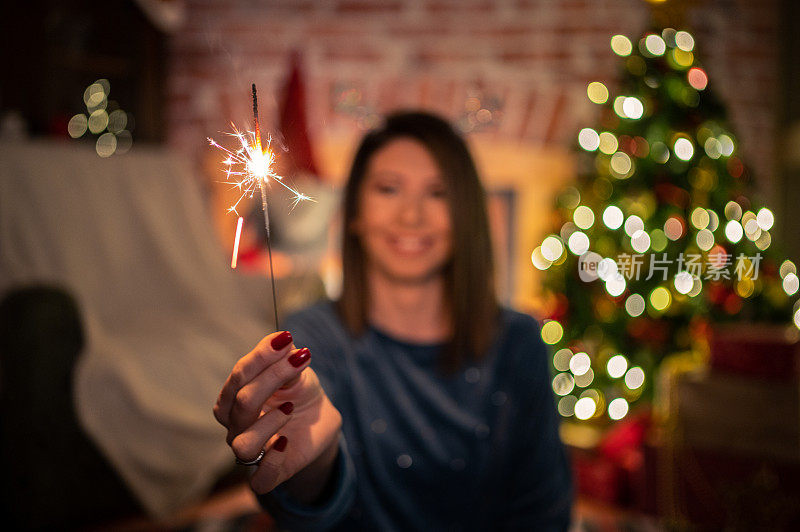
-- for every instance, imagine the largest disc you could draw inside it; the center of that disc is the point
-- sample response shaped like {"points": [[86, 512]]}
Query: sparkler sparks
{"points": [[250, 167]]}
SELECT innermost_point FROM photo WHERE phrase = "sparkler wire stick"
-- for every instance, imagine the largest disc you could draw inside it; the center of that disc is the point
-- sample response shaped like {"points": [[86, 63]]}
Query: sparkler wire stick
{"points": [[262, 188]]}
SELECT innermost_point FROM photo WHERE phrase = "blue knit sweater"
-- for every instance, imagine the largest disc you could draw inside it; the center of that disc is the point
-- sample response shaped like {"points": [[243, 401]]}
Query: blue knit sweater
{"points": [[477, 450]]}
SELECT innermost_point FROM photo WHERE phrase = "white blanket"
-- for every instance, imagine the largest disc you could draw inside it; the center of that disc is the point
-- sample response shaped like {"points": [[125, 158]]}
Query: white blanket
{"points": [[130, 238]]}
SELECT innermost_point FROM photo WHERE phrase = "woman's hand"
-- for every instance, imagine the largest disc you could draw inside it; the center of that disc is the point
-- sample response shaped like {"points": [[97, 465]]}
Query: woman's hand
{"points": [[272, 401]]}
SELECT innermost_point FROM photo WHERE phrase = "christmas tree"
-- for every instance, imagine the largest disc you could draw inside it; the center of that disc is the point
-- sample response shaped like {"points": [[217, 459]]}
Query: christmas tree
{"points": [[658, 239]]}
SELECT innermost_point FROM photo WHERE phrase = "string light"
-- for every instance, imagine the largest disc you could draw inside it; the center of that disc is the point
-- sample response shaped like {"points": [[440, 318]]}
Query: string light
{"points": [[633, 224], [552, 248], [634, 378], [578, 243], [733, 231], [616, 366], [613, 217], [618, 408], [684, 41], [580, 363], [621, 45], [552, 332], [585, 408], [660, 298], [566, 405], [583, 217], [561, 359], [563, 383], [683, 148], [588, 139], [597, 92]]}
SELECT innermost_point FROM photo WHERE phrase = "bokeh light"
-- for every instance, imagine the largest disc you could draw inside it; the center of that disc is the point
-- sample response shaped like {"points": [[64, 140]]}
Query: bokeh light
{"points": [[632, 107], [673, 228], [684, 41], [588, 139], [618, 408], [117, 121], [621, 165], [77, 125], [580, 363], [634, 378], [733, 211], [585, 379], [597, 92], [608, 143], [713, 148], [635, 305], [578, 243], [697, 78], [616, 366], [94, 95], [660, 298], [655, 44], [552, 248], [684, 281], [683, 148], [106, 145], [552, 332], [726, 145], [538, 260], [633, 224], [621, 45], [561, 359], [585, 408], [563, 383], [583, 217], [613, 217], [700, 218], [765, 219], [98, 121], [566, 405], [640, 241], [791, 283], [615, 285], [786, 268], [734, 231], [705, 239]]}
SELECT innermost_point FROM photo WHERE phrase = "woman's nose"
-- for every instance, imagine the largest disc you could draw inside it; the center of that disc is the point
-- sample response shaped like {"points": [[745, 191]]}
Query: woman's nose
{"points": [[412, 211]]}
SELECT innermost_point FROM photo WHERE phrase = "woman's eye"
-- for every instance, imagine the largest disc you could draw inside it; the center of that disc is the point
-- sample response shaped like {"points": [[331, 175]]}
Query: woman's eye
{"points": [[438, 192], [385, 188]]}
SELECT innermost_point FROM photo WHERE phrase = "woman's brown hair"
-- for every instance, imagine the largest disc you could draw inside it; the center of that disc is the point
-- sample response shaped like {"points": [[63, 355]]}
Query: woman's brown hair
{"points": [[469, 275]]}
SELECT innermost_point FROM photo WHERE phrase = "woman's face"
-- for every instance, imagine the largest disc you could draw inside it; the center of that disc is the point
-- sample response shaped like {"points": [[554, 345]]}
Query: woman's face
{"points": [[404, 215]]}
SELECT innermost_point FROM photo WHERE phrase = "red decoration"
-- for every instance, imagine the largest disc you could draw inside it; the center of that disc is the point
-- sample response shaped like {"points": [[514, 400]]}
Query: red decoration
{"points": [[294, 125]]}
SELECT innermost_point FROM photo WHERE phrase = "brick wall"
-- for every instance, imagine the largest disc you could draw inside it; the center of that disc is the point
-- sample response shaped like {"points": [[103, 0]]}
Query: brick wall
{"points": [[531, 59]]}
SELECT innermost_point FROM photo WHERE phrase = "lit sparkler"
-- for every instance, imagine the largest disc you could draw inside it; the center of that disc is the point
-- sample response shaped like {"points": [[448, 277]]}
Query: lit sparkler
{"points": [[249, 169]]}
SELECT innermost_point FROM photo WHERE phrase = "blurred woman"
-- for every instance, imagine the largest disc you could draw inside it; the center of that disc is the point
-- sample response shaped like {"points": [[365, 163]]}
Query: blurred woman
{"points": [[427, 405]]}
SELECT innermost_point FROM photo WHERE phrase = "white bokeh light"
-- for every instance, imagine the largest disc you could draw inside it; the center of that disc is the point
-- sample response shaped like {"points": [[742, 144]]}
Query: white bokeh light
{"points": [[634, 378], [613, 217], [585, 408], [618, 408], [616, 366]]}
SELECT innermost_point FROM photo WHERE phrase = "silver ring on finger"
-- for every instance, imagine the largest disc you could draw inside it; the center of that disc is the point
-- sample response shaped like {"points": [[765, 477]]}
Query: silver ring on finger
{"points": [[254, 461]]}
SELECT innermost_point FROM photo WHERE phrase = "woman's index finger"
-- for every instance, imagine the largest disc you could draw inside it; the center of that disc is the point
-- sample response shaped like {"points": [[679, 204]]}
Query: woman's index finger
{"points": [[269, 350]]}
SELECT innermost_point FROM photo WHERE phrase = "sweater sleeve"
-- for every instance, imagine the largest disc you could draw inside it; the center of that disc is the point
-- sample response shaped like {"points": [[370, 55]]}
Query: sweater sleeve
{"points": [[292, 515], [539, 492]]}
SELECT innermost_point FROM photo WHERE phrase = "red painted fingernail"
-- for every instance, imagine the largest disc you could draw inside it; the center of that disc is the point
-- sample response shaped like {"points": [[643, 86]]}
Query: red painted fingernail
{"points": [[300, 358], [286, 407], [281, 341], [280, 444]]}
